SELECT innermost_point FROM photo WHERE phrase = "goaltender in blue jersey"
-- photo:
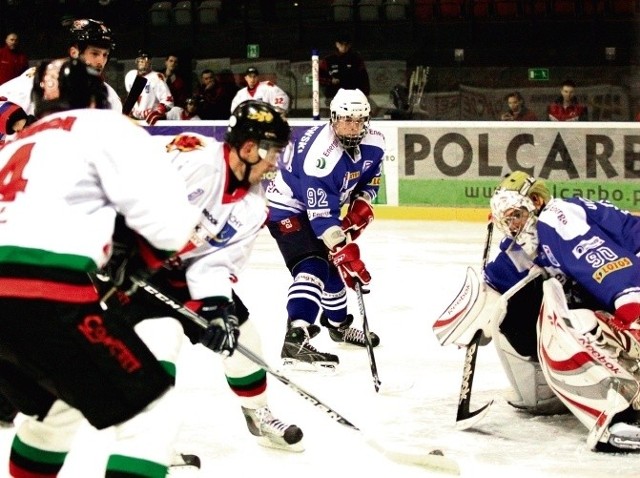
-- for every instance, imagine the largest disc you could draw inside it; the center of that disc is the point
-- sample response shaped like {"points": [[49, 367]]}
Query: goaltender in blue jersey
{"points": [[583, 355], [330, 166]]}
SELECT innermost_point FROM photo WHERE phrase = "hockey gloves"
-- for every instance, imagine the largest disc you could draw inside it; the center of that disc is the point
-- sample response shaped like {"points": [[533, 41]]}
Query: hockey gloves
{"points": [[359, 215], [158, 113], [223, 331], [347, 259]]}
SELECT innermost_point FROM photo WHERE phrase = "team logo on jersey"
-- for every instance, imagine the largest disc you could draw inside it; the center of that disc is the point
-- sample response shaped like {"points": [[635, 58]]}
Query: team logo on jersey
{"points": [[185, 142], [610, 267], [195, 194], [224, 236], [321, 163]]}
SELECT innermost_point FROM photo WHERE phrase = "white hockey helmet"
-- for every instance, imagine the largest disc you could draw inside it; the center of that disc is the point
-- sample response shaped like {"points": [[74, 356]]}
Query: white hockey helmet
{"points": [[514, 212], [353, 106]]}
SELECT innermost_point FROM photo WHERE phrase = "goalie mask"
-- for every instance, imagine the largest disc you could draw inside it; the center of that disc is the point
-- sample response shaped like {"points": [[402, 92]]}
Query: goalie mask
{"points": [[514, 212], [350, 112], [67, 84]]}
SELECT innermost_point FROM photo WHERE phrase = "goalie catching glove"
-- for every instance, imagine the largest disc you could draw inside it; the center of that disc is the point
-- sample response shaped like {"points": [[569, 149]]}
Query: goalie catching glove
{"points": [[347, 259], [359, 216], [223, 331]]}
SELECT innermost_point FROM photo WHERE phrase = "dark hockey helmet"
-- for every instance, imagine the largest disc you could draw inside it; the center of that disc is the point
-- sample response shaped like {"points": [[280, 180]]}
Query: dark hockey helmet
{"points": [[259, 121], [85, 32], [67, 84]]}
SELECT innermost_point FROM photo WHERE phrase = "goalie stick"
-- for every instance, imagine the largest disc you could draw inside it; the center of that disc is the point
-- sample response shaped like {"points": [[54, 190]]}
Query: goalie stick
{"points": [[431, 459], [138, 85], [465, 418]]}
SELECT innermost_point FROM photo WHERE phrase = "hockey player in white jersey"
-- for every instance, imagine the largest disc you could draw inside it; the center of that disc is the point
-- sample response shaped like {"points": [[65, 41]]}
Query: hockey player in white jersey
{"points": [[156, 99], [224, 180], [333, 165], [89, 40], [266, 91], [580, 349], [61, 357]]}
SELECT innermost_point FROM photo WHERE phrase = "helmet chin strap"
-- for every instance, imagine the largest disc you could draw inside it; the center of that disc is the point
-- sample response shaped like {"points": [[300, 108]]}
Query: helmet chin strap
{"points": [[248, 166]]}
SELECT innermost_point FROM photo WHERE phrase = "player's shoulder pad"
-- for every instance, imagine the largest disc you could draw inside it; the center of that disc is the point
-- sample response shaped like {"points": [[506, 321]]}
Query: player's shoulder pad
{"points": [[323, 155]]}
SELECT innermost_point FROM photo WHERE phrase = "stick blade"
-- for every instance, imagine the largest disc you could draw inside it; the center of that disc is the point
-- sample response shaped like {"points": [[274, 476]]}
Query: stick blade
{"points": [[432, 459], [470, 419]]}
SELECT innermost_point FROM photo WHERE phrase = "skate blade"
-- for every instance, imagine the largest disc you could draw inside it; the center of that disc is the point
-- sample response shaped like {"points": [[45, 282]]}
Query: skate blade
{"points": [[325, 368], [624, 443], [279, 444]]}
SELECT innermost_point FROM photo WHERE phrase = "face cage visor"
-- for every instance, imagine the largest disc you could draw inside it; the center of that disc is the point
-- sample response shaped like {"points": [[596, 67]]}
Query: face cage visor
{"points": [[349, 130]]}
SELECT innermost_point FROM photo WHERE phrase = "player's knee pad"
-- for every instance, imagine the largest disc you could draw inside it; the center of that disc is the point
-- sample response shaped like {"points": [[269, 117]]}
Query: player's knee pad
{"points": [[55, 431], [588, 377], [163, 336], [530, 391]]}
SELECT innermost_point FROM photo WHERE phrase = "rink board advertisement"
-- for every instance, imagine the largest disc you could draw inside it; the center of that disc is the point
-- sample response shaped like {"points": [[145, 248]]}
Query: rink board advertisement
{"points": [[442, 164], [458, 164]]}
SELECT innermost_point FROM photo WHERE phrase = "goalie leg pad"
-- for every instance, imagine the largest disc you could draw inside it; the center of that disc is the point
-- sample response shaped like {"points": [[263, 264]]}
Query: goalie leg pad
{"points": [[530, 391], [588, 377]]}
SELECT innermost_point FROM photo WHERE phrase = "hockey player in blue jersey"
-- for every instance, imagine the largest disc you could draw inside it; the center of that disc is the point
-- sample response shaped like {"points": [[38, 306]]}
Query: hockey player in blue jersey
{"points": [[588, 361], [332, 165], [589, 246]]}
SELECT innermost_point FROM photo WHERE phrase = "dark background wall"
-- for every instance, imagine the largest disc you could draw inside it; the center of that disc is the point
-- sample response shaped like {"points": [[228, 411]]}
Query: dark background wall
{"points": [[501, 39]]}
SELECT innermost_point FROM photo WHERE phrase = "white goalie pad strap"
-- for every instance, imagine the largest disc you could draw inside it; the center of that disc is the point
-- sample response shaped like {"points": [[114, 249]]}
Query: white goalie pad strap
{"points": [[475, 307], [588, 377]]}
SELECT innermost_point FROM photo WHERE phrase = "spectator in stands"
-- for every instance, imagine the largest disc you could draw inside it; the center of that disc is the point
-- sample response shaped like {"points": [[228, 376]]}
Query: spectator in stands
{"points": [[13, 61], [343, 69], [175, 81], [189, 112], [517, 111], [214, 95], [566, 107]]}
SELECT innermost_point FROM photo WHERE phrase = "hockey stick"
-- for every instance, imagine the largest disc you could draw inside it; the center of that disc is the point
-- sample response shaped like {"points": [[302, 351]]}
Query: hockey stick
{"points": [[465, 418], [432, 459], [138, 85], [367, 337], [202, 322]]}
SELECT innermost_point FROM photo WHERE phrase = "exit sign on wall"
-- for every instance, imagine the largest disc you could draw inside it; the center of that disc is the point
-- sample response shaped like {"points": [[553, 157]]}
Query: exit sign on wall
{"points": [[539, 74]]}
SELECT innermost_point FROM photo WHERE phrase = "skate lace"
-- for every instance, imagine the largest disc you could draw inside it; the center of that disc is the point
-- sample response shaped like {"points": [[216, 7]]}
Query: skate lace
{"points": [[270, 424], [354, 336]]}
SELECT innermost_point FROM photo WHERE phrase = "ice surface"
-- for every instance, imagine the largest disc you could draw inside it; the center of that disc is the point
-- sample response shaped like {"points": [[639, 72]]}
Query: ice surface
{"points": [[417, 268]]}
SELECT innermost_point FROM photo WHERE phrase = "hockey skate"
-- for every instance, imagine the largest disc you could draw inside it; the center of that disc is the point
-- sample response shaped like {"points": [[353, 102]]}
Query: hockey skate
{"points": [[272, 432], [182, 462], [625, 436], [344, 333], [299, 354]]}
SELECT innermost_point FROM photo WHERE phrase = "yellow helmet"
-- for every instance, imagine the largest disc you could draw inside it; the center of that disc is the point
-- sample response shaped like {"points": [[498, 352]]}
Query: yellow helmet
{"points": [[525, 184]]}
